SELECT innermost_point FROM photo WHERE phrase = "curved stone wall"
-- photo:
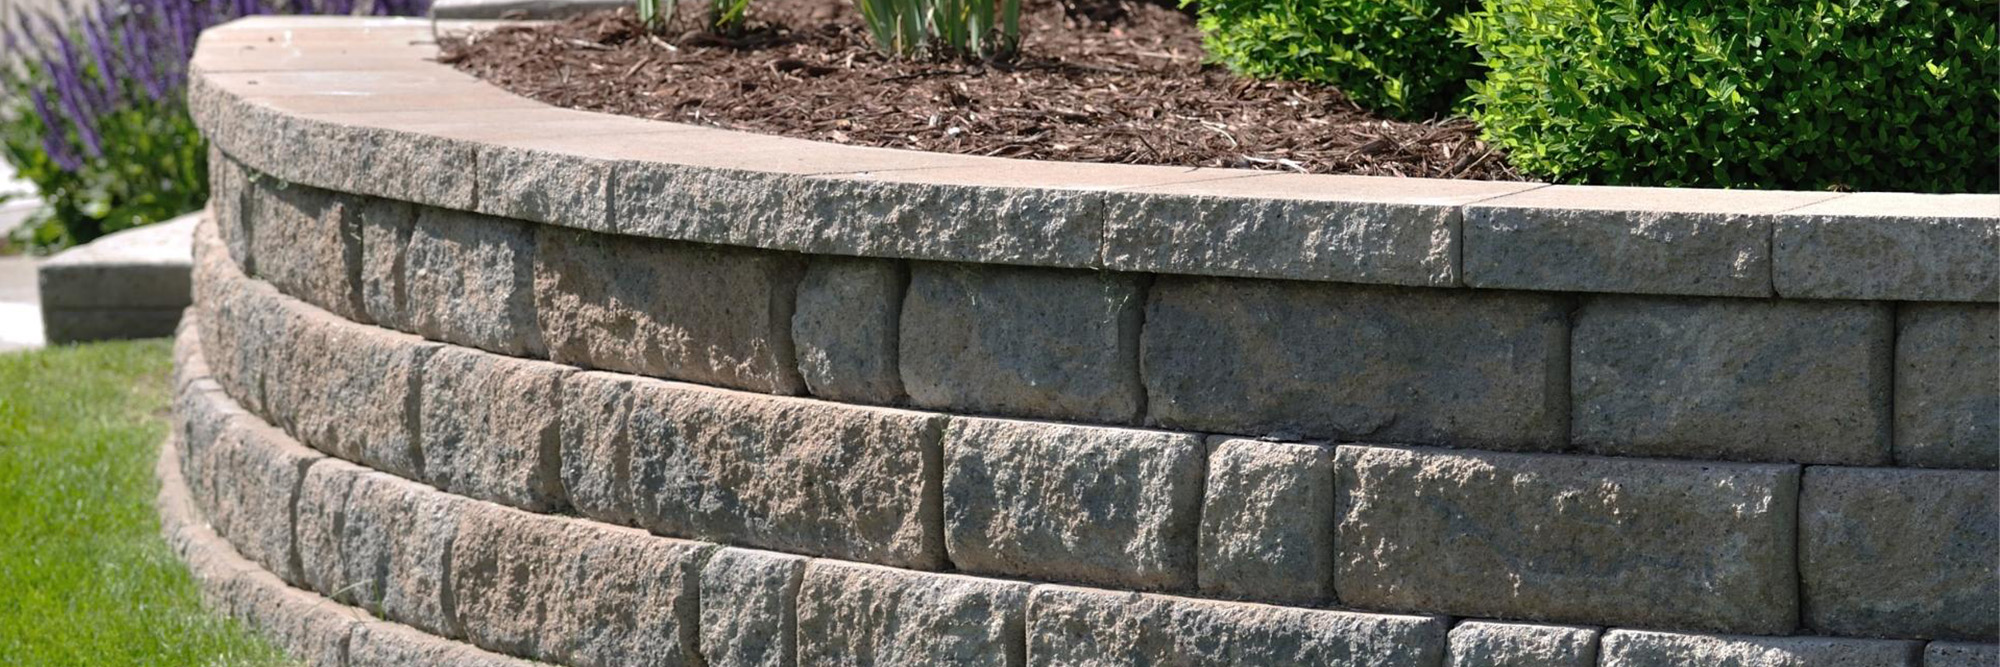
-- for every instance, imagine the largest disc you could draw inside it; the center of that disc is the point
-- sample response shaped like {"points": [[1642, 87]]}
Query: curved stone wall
{"points": [[591, 390]]}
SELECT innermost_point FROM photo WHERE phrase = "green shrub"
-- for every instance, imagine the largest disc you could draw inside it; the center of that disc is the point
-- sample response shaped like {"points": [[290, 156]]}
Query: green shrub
{"points": [[1861, 94], [1398, 57]]}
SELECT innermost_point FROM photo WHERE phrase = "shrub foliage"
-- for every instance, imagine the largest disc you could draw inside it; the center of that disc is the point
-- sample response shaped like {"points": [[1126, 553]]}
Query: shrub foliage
{"points": [[1398, 57], [1861, 94]]}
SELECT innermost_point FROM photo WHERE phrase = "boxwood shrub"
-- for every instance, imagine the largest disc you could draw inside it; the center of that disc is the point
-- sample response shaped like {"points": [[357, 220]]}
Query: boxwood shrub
{"points": [[1397, 57], [1804, 94]]}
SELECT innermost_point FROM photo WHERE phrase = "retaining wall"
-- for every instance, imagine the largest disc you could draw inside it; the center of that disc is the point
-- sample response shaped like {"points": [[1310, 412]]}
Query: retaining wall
{"points": [[596, 390]]}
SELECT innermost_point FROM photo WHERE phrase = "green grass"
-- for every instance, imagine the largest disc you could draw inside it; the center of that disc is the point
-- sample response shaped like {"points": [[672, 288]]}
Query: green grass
{"points": [[85, 578]]}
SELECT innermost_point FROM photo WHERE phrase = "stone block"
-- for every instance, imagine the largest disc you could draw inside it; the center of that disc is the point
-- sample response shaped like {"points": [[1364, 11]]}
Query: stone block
{"points": [[708, 314], [845, 329], [575, 593], [528, 185], [853, 615], [596, 445], [140, 269], [470, 281], [229, 189], [348, 390], [1267, 522], [1743, 380], [1947, 386], [1568, 538], [202, 413], [307, 627], [491, 428], [1961, 654], [257, 475], [237, 320], [519, 9], [188, 362], [319, 526], [749, 608], [1888, 552], [1303, 360], [393, 645], [1096, 505], [1884, 245], [1081, 627], [1638, 648], [385, 242], [396, 546], [1055, 344], [65, 325], [308, 244], [1490, 644]]}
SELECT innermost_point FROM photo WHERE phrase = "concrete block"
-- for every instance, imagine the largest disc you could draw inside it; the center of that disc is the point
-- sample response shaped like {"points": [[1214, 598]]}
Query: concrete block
{"points": [[306, 626], [1081, 627], [749, 608], [1947, 386], [1568, 538], [62, 325], [228, 192], [1638, 648], [1490, 644], [1267, 522], [854, 615], [345, 389], [385, 242], [1096, 505], [1888, 552], [1739, 380], [396, 546], [308, 244], [469, 279], [319, 526], [528, 185], [846, 329], [131, 284], [393, 645], [1961, 654], [596, 446], [491, 428], [519, 9], [257, 475], [1886, 245]]}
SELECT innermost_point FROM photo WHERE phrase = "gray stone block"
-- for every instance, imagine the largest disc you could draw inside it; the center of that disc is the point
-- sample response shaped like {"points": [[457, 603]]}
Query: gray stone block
{"points": [[853, 615], [1900, 553], [1637, 648], [385, 241], [307, 627], [1490, 644], [1304, 360], [1568, 538], [63, 325], [188, 362], [1961, 654], [845, 329], [575, 593], [319, 526], [1267, 522], [749, 608], [228, 191], [393, 645], [235, 320], [345, 389], [257, 475], [1742, 380], [396, 546], [1880, 245], [1081, 627], [1023, 341], [308, 244], [1947, 385], [1529, 241], [528, 185], [708, 314], [596, 446], [491, 428], [139, 269], [1111, 506], [202, 413], [470, 281]]}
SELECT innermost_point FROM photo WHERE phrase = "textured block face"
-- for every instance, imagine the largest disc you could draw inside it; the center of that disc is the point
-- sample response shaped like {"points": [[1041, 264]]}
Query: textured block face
{"points": [[1486, 644], [1901, 552], [846, 329], [470, 281], [1632, 648], [1021, 341], [1077, 627], [236, 318], [1903, 257], [396, 549], [1948, 386], [749, 608], [391, 644], [841, 481], [854, 615], [229, 189], [305, 625], [532, 185], [1344, 241], [707, 314], [1613, 539], [1267, 522], [596, 452], [202, 412], [385, 241], [1582, 250], [258, 473], [1961, 654], [347, 390], [319, 526], [309, 244], [1303, 360], [1735, 380], [1110, 506], [490, 428]]}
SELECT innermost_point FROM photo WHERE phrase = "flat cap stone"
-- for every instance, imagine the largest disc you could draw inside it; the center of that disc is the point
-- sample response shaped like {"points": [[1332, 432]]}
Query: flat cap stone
{"points": [[1097, 505], [1303, 360], [1897, 552], [1947, 385], [846, 329], [1639, 648], [1082, 627], [1883, 245], [1742, 380], [749, 608], [855, 615], [491, 428], [1267, 521], [1961, 654], [309, 243], [527, 185], [470, 281], [1028, 342], [1568, 538], [1491, 644]]}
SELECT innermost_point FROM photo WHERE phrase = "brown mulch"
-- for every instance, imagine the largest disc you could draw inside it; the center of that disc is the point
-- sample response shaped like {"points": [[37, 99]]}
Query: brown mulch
{"points": [[1113, 81]]}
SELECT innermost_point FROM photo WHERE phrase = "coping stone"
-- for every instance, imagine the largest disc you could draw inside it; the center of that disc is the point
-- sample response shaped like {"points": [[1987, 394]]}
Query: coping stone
{"points": [[1442, 531], [470, 281], [846, 329], [1295, 360], [855, 615], [749, 608], [308, 242], [1947, 397], [529, 185], [1898, 552], [491, 427], [1031, 342], [1082, 627], [1640, 648], [1744, 380], [1267, 521], [1492, 644], [1961, 654], [1094, 505], [1881, 245]]}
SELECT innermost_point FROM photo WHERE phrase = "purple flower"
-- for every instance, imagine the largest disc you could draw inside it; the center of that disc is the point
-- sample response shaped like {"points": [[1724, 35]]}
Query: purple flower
{"points": [[53, 140]]}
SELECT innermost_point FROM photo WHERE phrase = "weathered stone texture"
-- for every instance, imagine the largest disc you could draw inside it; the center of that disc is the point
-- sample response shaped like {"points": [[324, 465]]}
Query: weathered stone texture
{"points": [[1742, 380], [1644, 252], [470, 281], [308, 244], [1961, 654], [491, 428], [319, 527], [1948, 386], [1891, 246], [257, 474], [229, 191], [531, 185], [396, 545], [1110, 506], [306, 626], [749, 608], [345, 389], [393, 645], [237, 318], [385, 242], [846, 329], [596, 445], [1081, 627], [1636, 648], [1304, 360], [1490, 644], [1023, 341], [1568, 538], [853, 615], [202, 412], [570, 592], [1901, 553], [188, 362], [1267, 521], [708, 314]]}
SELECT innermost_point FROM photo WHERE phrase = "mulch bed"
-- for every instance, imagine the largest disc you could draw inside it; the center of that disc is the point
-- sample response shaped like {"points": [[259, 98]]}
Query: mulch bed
{"points": [[1115, 81]]}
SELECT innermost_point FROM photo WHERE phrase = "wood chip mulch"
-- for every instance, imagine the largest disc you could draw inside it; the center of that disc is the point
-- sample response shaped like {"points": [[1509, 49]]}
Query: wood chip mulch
{"points": [[1115, 81]]}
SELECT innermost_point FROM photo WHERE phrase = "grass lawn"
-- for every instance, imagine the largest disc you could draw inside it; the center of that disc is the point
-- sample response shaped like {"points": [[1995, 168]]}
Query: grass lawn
{"points": [[85, 578]]}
